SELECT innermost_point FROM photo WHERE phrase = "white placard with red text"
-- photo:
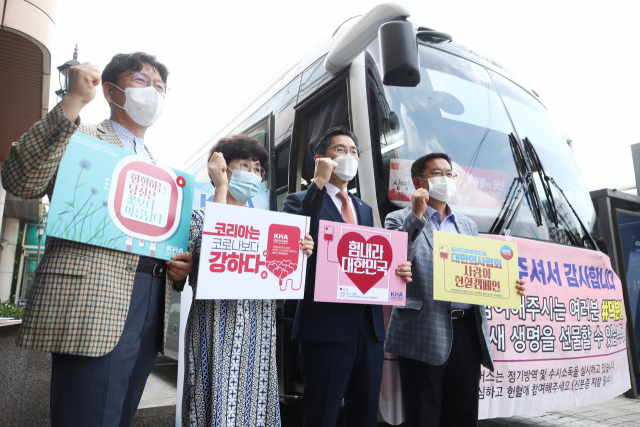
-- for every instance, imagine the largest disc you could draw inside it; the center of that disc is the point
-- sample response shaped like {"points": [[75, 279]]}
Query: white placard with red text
{"points": [[249, 254]]}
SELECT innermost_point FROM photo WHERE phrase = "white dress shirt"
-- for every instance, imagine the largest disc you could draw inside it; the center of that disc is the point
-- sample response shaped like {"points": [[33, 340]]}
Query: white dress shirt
{"points": [[333, 193]]}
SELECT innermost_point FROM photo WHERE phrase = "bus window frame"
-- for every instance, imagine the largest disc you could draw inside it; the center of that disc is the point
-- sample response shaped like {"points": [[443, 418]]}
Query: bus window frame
{"points": [[384, 204], [269, 120]]}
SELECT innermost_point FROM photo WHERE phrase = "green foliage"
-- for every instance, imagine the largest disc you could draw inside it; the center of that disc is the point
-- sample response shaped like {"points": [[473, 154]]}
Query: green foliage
{"points": [[8, 309], [45, 211]]}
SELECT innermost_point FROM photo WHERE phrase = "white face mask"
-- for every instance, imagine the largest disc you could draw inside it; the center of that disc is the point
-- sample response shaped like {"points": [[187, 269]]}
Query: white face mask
{"points": [[143, 104], [347, 167], [442, 188]]}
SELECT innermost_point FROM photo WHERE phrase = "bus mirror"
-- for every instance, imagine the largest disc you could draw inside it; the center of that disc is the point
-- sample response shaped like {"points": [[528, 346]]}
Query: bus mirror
{"points": [[394, 123], [399, 52]]}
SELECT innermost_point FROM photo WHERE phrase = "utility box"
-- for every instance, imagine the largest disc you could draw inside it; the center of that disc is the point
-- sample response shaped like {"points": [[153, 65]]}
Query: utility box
{"points": [[619, 216]]}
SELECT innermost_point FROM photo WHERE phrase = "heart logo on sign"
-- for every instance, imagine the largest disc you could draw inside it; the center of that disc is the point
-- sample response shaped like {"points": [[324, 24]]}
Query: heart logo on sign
{"points": [[361, 276]]}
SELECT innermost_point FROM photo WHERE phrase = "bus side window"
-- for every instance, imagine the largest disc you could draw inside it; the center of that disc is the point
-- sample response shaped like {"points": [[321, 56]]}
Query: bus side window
{"points": [[281, 167], [262, 131]]}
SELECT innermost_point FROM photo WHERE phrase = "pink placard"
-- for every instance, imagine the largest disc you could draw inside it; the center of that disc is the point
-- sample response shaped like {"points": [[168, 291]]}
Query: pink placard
{"points": [[566, 346], [357, 264]]}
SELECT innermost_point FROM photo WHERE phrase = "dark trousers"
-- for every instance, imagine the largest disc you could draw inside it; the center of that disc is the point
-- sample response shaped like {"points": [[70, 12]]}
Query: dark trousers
{"points": [[106, 390], [446, 395], [333, 370]]}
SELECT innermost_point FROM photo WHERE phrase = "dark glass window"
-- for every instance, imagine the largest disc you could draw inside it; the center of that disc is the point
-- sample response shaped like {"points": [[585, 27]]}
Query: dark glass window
{"points": [[282, 172], [556, 175], [284, 112], [331, 109], [629, 232], [495, 133], [261, 132], [454, 110]]}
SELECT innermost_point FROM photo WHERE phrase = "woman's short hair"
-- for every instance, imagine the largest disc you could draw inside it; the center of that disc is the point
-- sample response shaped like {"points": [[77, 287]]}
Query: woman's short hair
{"points": [[241, 147]]}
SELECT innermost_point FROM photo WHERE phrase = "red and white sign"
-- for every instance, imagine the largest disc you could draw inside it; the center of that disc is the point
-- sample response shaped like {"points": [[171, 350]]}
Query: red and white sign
{"points": [[400, 183], [144, 201], [250, 254], [357, 264]]}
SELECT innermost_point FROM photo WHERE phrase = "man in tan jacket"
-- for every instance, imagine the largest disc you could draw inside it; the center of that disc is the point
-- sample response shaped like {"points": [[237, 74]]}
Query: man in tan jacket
{"points": [[100, 312]]}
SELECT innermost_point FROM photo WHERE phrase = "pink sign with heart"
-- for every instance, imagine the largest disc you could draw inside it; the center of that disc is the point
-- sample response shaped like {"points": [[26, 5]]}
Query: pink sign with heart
{"points": [[360, 258], [357, 264]]}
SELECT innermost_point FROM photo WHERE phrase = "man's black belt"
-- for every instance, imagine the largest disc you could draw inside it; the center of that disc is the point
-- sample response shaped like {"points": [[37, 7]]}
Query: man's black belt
{"points": [[458, 313], [158, 270]]}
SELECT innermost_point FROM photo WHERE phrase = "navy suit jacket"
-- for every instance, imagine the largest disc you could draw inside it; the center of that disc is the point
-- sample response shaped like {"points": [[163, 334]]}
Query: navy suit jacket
{"points": [[324, 321]]}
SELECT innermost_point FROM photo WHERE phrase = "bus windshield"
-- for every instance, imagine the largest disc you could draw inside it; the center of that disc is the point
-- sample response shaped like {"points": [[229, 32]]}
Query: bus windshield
{"points": [[514, 169]]}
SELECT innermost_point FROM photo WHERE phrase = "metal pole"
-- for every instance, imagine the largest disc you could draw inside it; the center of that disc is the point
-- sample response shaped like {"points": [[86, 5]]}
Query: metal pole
{"points": [[38, 256], [22, 255]]}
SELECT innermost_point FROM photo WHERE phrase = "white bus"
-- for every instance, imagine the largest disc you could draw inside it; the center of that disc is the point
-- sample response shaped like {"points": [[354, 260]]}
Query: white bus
{"points": [[516, 174]]}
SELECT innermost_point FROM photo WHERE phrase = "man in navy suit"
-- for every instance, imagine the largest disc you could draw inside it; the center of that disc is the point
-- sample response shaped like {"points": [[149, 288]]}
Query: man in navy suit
{"points": [[341, 345]]}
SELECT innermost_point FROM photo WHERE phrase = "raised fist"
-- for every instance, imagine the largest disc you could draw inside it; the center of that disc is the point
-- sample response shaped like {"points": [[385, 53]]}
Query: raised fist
{"points": [[419, 200], [324, 168], [218, 170], [83, 80]]}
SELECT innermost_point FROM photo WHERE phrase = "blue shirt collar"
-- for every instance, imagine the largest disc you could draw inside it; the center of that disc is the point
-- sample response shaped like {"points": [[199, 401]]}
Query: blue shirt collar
{"points": [[432, 213]]}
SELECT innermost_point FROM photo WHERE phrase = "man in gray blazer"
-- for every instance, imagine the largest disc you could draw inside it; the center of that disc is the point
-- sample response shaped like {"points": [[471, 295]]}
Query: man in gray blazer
{"points": [[440, 345]]}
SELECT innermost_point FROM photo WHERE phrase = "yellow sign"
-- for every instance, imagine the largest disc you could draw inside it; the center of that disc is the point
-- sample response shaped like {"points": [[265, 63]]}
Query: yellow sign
{"points": [[475, 270]]}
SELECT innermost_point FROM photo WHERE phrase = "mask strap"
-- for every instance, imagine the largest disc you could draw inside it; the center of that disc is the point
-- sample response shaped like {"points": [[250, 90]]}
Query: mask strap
{"points": [[125, 94]]}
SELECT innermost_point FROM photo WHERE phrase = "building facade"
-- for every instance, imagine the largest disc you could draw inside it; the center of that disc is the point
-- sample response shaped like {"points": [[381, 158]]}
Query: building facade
{"points": [[27, 34]]}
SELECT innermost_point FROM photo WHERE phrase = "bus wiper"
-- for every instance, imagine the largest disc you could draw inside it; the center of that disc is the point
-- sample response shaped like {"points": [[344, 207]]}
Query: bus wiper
{"points": [[514, 199], [511, 202], [547, 181], [551, 207], [537, 167], [584, 228]]}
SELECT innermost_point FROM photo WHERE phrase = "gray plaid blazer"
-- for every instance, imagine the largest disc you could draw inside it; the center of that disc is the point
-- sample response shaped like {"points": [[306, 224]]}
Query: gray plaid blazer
{"points": [[81, 293], [422, 329]]}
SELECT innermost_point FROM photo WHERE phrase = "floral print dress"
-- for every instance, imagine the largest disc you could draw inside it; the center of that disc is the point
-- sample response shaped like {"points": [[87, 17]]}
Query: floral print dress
{"points": [[230, 375]]}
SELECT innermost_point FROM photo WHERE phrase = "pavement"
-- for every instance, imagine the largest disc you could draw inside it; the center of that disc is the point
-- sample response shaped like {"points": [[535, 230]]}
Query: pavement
{"points": [[616, 412], [158, 408]]}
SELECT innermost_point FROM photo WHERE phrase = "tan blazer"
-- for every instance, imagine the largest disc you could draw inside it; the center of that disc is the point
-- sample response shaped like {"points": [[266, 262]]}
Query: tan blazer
{"points": [[81, 293]]}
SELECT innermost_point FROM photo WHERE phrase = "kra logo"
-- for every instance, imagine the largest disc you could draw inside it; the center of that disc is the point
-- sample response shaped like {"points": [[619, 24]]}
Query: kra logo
{"points": [[281, 236], [174, 249]]}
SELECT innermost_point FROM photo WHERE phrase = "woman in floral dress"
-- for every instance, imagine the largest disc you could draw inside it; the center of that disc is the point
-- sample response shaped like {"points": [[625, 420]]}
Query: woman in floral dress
{"points": [[230, 376]]}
